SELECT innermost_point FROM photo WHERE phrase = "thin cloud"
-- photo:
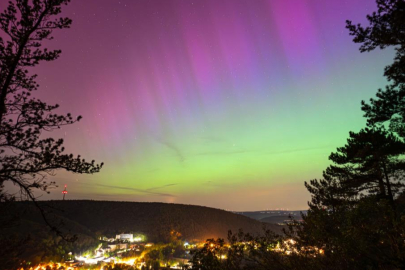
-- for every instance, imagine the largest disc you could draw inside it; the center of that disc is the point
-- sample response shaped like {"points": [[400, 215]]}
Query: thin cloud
{"points": [[174, 148], [165, 186], [145, 191]]}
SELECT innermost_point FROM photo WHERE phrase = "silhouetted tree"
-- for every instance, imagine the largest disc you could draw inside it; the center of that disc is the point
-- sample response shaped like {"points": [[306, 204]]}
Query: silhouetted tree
{"points": [[327, 193], [352, 235], [369, 164], [352, 213], [386, 29], [26, 157], [209, 256]]}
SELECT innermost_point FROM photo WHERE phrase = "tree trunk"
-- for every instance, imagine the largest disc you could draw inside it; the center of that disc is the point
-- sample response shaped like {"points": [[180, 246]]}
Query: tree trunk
{"points": [[390, 195]]}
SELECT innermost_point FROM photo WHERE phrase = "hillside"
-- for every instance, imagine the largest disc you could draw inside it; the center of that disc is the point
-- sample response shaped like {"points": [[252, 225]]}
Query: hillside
{"points": [[273, 216], [276, 219], [155, 220]]}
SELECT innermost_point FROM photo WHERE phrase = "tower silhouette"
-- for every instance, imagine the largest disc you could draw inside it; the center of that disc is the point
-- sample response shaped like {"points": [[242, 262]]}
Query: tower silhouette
{"points": [[64, 192]]}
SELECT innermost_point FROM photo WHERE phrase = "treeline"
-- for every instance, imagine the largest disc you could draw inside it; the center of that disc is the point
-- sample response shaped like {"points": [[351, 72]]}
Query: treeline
{"points": [[356, 218]]}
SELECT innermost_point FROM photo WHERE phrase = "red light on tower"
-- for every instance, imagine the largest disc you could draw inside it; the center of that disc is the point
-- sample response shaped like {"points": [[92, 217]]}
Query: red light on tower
{"points": [[64, 192]]}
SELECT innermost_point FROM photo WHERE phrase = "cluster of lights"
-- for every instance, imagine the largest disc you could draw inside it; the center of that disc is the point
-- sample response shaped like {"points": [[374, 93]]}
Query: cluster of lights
{"points": [[52, 266], [290, 248]]}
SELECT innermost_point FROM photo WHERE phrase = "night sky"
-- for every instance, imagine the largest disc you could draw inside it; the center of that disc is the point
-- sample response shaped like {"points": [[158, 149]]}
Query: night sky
{"points": [[231, 104]]}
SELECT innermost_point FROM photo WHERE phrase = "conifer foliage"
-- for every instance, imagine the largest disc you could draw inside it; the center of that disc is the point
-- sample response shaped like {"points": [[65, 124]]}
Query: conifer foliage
{"points": [[386, 29], [356, 211], [369, 163]]}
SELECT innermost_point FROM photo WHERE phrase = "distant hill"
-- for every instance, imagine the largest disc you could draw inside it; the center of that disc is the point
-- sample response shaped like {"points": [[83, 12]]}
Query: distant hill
{"points": [[155, 220], [273, 216], [276, 219]]}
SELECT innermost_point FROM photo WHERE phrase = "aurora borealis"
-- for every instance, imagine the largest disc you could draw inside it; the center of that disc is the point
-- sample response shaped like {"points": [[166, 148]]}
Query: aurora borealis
{"points": [[225, 103]]}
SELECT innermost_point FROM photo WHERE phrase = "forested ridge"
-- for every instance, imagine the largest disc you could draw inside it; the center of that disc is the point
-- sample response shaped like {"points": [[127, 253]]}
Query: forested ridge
{"points": [[155, 220]]}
